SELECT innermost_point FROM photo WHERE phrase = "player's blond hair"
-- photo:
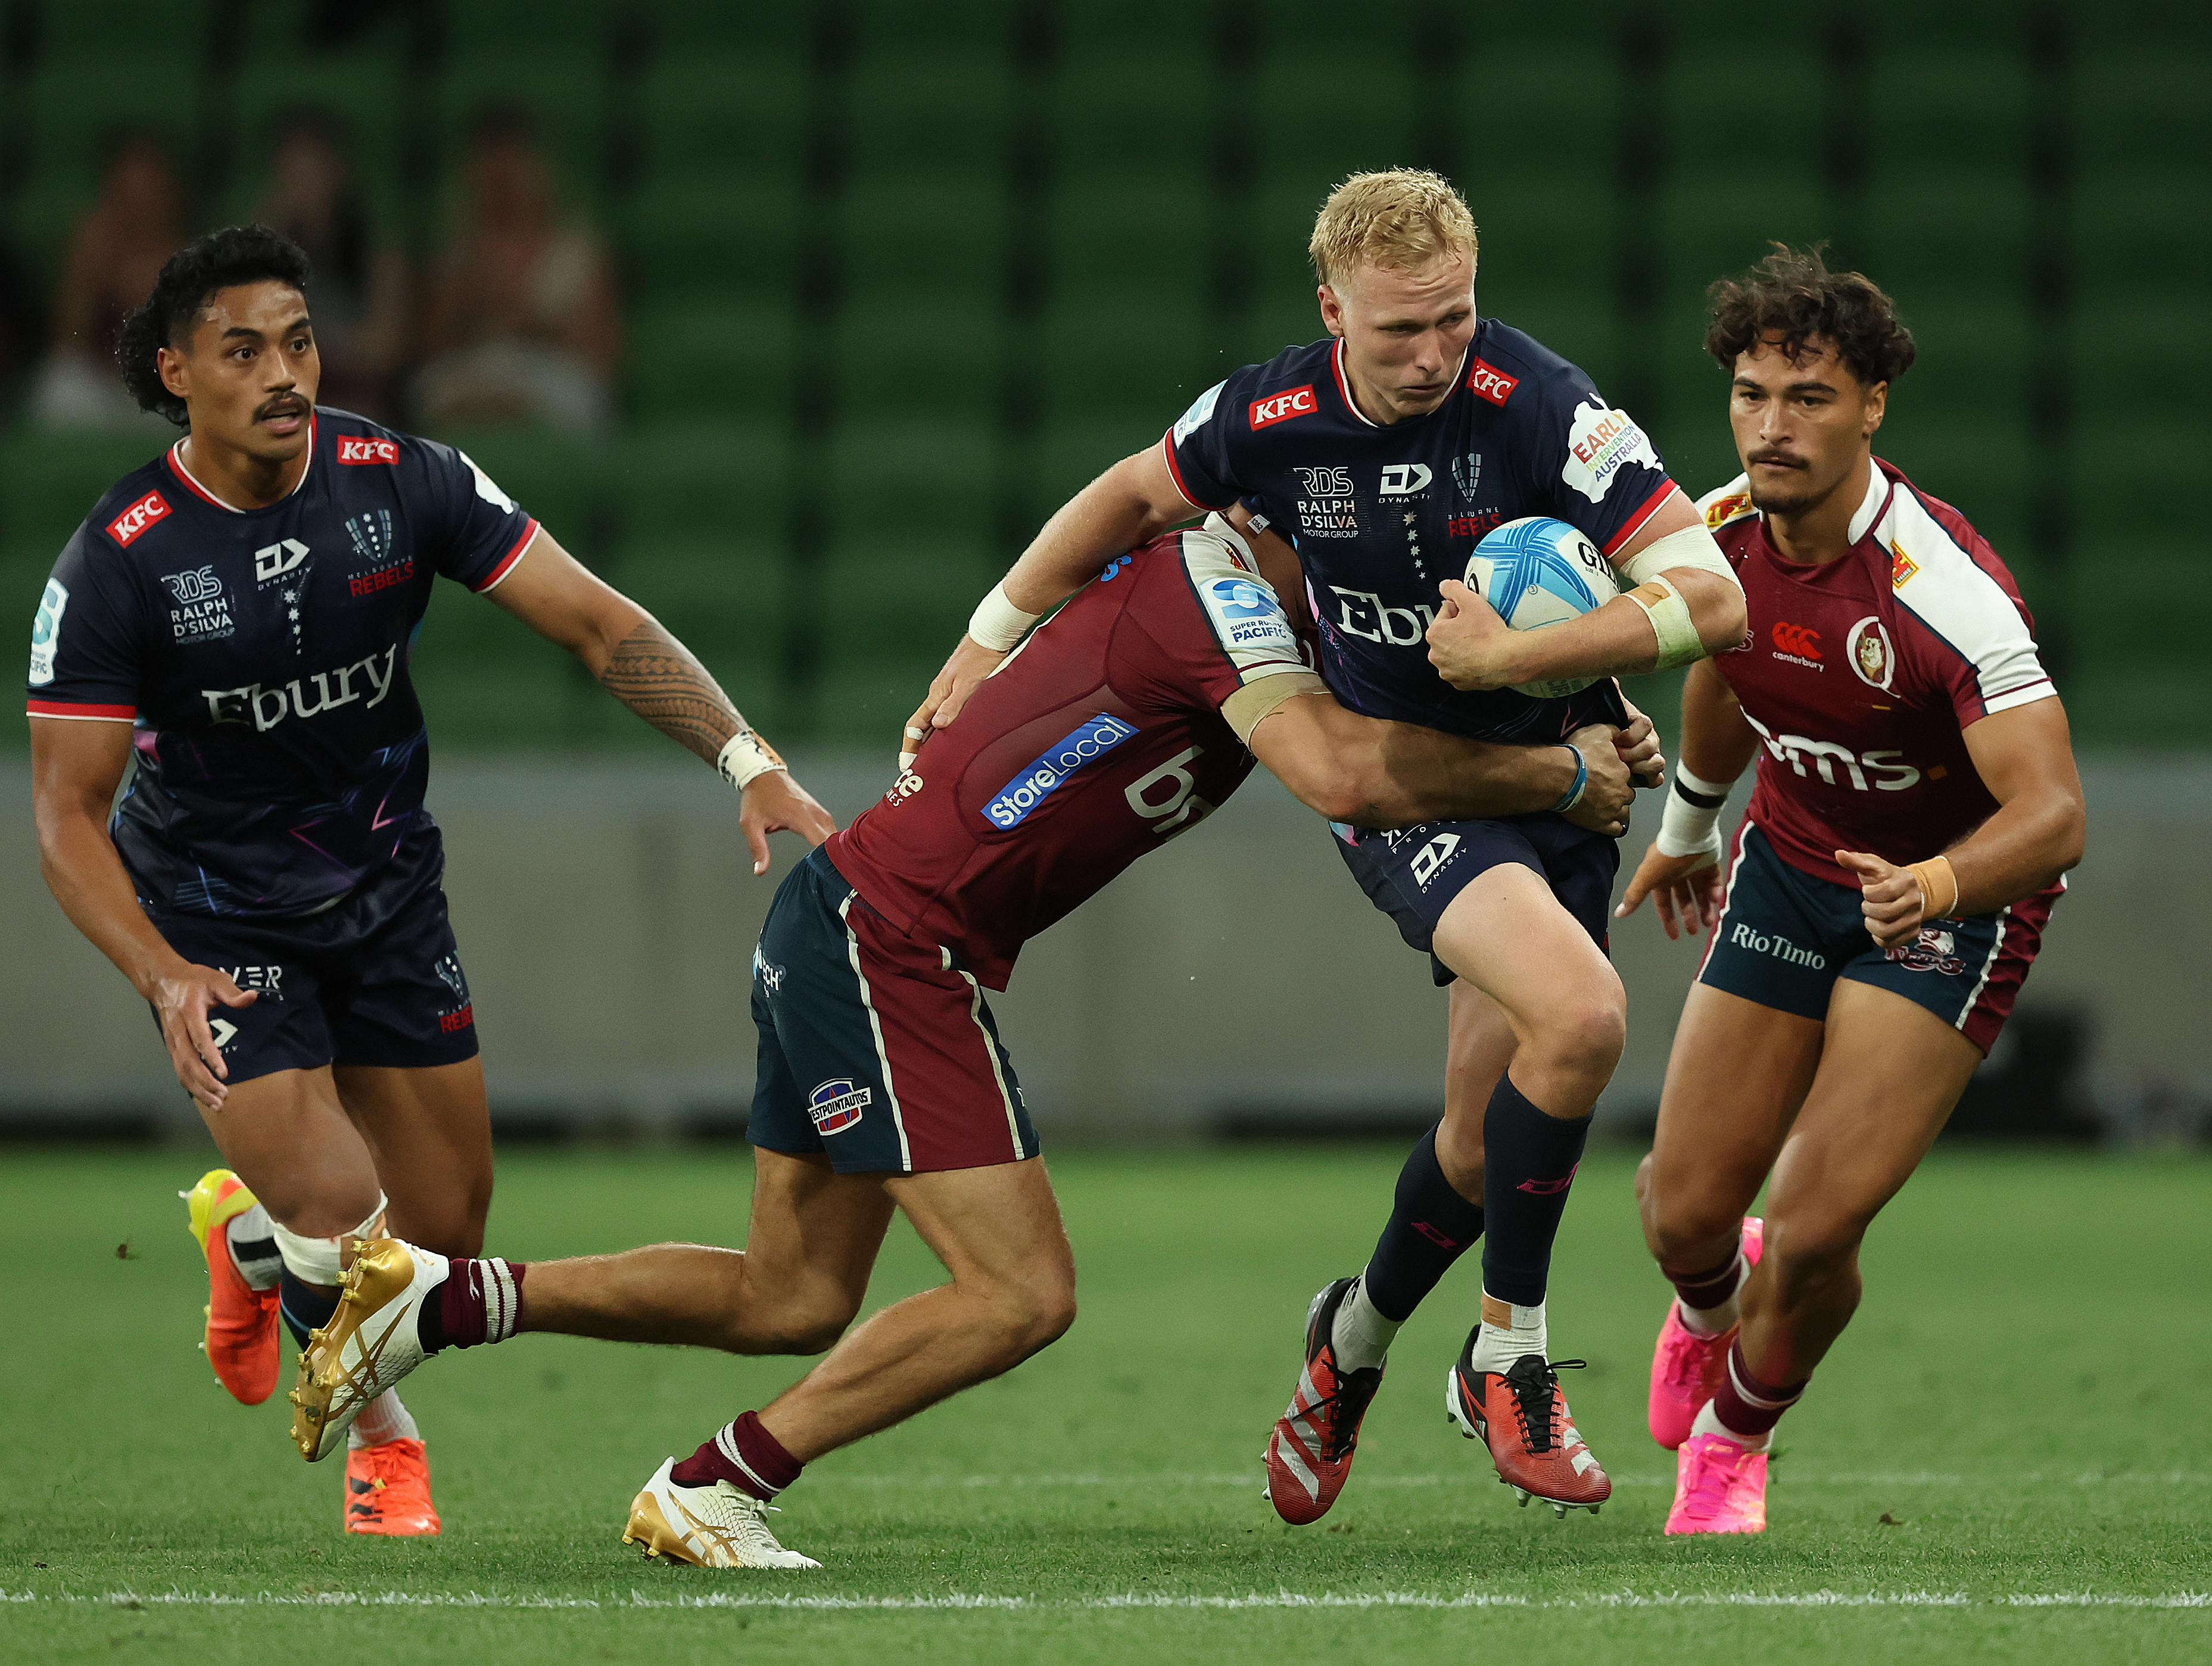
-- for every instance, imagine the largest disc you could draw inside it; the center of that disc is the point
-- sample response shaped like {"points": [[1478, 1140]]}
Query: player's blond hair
{"points": [[1399, 219]]}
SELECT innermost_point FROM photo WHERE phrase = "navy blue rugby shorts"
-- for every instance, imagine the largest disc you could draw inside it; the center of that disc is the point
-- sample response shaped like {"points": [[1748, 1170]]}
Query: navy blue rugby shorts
{"points": [[1785, 937], [878, 1050], [1412, 874], [373, 979]]}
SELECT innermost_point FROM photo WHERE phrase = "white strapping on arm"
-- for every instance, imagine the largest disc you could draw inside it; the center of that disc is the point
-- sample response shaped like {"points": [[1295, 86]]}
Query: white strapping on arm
{"points": [[1663, 603], [1691, 547], [997, 623], [744, 756], [1686, 826]]}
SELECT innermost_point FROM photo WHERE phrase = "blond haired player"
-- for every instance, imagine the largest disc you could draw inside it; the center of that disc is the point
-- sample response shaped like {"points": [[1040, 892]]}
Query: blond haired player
{"points": [[1384, 452], [1916, 807]]}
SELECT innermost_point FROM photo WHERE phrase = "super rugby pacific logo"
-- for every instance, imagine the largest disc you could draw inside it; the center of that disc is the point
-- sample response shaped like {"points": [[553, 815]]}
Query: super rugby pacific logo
{"points": [[137, 518], [1011, 806], [836, 1104], [1282, 407]]}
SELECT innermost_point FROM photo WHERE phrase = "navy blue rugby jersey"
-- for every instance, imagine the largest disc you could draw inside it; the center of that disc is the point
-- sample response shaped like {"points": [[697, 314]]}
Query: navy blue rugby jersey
{"points": [[263, 654], [1380, 515]]}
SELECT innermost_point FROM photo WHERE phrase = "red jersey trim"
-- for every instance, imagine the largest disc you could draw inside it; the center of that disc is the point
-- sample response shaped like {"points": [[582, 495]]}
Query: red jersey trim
{"points": [[184, 476], [49, 708], [1167, 449], [507, 561], [1344, 387], [1635, 522]]}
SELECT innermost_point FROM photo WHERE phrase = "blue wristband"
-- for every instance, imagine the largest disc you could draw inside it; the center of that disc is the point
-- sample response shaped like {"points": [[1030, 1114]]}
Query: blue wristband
{"points": [[1574, 795]]}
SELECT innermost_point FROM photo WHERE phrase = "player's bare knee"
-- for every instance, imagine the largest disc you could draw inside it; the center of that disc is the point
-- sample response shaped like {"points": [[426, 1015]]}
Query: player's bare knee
{"points": [[1814, 1251]]}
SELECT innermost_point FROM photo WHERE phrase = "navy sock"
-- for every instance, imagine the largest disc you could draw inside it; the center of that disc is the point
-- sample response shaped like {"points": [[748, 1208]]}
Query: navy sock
{"points": [[305, 1306], [1431, 1226], [1528, 1162]]}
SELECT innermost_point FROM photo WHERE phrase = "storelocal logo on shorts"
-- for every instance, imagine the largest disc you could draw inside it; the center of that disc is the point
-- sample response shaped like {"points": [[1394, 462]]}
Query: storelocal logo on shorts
{"points": [[1013, 801]]}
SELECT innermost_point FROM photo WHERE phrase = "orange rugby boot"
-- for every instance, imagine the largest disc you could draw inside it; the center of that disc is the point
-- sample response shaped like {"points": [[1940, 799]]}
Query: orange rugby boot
{"points": [[388, 1490], [241, 1341], [1522, 1417], [1687, 1368]]}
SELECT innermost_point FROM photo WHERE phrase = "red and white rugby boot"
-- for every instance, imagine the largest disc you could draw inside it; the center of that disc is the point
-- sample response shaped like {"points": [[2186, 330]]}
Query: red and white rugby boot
{"points": [[1687, 1368], [241, 1338], [388, 1490], [1719, 1487], [1522, 1417], [1309, 1453]]}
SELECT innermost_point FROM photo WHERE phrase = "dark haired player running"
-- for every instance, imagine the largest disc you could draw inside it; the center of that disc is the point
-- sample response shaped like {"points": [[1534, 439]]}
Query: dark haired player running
{"points": [[238, 615], [1384, 452], [882, 1084], [1916, 807]]}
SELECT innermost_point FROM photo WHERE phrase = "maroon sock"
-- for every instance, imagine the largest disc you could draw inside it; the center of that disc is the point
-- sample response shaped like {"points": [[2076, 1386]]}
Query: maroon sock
{"points": [[1749, 1406], [744, 1454], [1703, 1291], [480, 1301]]}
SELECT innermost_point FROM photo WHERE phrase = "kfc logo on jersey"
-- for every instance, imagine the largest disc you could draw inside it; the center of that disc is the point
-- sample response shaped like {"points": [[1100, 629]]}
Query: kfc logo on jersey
{"points": [[1797, 645], [367, 450], [1488, 382], [137, 518], [1795, 749], [1282, 407], [1600, 443], [1402, 480], [1870, 654]]}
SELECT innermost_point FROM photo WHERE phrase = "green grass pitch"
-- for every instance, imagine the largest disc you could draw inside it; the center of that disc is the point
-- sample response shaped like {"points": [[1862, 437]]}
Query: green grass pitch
{"points": [[2004, 1460]]}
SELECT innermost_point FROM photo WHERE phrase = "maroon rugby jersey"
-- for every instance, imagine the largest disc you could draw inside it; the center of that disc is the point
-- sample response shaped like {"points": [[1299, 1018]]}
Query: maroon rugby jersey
{"points": [[1861, 674], [1099, 739]]}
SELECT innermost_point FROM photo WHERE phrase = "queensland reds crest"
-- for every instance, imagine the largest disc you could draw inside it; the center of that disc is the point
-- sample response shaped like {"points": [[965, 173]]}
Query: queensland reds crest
{"points": [[1872, 658], [1935, 950]]}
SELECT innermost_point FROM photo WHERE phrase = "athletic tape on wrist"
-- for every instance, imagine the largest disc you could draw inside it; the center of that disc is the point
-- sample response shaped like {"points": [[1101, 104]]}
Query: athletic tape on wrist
{"points": [[744, 756], [1926, 872], [1689, 822], [1671, 623], [1574, 794], [997, 623]]}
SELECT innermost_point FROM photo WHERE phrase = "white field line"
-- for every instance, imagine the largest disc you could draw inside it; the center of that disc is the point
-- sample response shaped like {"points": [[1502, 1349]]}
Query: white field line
{"points": [[1255, 1479], [1280, 1599]]}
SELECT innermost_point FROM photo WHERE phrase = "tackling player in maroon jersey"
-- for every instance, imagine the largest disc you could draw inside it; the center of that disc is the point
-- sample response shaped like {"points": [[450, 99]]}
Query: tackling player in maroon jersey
{"points": [[882, 1084], [1915, 811]]}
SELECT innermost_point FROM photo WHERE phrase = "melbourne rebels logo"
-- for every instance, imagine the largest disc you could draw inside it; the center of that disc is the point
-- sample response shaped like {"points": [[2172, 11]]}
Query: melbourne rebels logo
{"points": [[836, 1106]]}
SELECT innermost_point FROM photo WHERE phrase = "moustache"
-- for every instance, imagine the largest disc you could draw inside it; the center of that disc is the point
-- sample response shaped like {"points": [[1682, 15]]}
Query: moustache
{"points": [[1780, 459], [286, 405]]}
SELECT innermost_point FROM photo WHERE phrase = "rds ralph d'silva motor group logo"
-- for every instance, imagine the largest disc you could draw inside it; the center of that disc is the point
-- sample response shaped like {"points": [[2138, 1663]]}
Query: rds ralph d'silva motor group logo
{"points": [[836, 1106]]}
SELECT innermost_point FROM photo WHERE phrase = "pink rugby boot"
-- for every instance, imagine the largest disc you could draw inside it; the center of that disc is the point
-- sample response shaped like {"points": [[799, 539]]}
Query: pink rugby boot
{"points": [[1719, 1487], [1685, 1369]]}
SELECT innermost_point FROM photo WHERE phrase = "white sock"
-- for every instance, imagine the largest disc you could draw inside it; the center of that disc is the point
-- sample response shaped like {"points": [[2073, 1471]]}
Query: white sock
{"points": [[381, 1419], [1362, 1332], [1722, 1317], [1508, 1332], [251, 1236], [1709, 1422]]}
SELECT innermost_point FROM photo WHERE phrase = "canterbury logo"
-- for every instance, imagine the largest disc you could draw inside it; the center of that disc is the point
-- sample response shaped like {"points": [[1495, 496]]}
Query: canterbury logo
{"points": [[1797, 639]]}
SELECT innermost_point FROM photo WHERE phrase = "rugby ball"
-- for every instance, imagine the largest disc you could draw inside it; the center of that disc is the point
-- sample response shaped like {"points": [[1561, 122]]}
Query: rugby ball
{"points": [[1537, 571]]}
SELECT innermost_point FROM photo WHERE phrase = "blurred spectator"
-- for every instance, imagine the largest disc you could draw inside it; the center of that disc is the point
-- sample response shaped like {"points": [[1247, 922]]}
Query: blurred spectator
{"points": [[523, 321], [22, 330], [358, 294], [114, 254]]}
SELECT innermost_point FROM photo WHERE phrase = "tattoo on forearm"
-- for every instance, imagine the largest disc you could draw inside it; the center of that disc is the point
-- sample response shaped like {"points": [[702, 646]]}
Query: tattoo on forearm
{"points": [[656, 676]]}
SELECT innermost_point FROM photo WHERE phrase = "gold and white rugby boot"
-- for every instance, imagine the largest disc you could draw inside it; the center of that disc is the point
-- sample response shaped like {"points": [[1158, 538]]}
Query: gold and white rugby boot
{"points": [[715, 1526], [368, 1345]]}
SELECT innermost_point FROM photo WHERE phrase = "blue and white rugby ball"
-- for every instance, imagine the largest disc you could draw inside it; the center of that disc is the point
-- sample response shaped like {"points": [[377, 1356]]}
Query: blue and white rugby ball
{"points": [[1537, 571]]}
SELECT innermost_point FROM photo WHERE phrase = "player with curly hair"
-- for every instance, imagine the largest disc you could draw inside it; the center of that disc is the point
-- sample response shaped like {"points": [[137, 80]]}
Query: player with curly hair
{"points": [[1915, 811], [237, 617]]}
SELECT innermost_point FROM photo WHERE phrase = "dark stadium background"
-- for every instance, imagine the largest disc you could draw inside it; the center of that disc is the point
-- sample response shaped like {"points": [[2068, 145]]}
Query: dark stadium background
{"points": [[896, 278]]}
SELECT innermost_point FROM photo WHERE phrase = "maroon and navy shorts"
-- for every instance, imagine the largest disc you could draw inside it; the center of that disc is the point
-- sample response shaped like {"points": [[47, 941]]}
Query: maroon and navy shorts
{"points": [[1785, 937], [878, 1050]]}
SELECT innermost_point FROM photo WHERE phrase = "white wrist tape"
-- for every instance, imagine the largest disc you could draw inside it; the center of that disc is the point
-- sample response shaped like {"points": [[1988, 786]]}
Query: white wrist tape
{"points": [[998, 623], [1686, 826], [745, 755], [1671, 623]]}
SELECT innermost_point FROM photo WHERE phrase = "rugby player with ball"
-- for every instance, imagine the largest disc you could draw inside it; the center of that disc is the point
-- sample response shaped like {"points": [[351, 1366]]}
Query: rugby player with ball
{"points": [[1915, 811]]}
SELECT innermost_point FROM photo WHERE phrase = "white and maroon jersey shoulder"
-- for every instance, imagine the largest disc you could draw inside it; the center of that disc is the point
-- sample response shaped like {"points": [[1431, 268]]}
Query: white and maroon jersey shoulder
{"points": [[1861, 676]]}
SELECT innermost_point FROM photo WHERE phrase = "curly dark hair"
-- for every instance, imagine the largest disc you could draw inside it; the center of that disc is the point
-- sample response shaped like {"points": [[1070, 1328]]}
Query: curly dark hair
{"points": [[1795, 294], [220, 260]]}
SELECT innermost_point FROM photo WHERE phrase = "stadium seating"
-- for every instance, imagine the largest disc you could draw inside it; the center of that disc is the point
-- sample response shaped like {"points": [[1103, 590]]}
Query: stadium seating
{"points": [[898, 279]]}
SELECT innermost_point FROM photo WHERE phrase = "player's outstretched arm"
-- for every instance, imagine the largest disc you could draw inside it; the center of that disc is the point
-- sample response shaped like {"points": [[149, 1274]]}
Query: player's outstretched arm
{"points": [[1680, 872], [659, 678], [76, 766], [1687, 604], [2025, 758], [1135, 501], [1373, 773]]}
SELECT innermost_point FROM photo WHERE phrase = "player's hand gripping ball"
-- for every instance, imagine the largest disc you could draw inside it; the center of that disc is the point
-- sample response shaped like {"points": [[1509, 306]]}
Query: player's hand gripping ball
{"points": [[1537, 571]]}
